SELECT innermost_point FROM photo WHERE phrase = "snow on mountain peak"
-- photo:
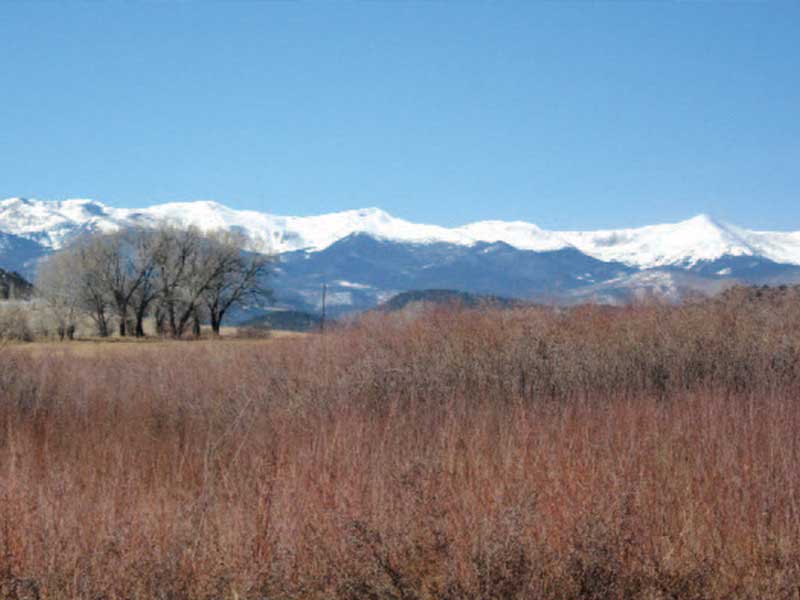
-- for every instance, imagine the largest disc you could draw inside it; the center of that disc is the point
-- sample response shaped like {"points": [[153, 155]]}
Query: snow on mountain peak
{"points": [[684, 243], [703, 219], [699, 238], [522, 235]]}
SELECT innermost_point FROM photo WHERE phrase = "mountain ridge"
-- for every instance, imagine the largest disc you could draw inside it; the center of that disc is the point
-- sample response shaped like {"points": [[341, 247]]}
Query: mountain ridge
{"points": [[363, 257], [51, 223]]}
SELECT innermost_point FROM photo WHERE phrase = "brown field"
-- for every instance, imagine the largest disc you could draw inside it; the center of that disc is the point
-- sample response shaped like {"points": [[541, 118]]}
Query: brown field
{"points": [[96, 346], [648, 452]]}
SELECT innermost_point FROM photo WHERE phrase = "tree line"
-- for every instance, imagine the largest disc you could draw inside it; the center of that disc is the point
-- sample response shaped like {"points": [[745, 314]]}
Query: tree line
{"points": [[13, 286], [179, 277]]}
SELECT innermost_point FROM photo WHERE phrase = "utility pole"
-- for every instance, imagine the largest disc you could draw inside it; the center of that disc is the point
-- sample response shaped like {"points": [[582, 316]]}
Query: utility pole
{"points": [[322, 316]]}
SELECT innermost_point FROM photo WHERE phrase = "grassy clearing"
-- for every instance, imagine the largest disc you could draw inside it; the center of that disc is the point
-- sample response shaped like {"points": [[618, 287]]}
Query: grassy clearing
{"points": [[649, 452], [91, 346]]}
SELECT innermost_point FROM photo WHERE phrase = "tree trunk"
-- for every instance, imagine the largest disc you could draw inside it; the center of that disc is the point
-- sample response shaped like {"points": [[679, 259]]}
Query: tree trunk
{"points": [[196, 324], [159, 318], [140, 321], [124, 320], [216, 321], [173, 324], [189, 316], [102, 324]]}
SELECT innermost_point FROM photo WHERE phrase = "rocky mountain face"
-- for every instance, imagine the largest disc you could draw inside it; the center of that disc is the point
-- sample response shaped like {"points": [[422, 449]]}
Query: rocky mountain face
{"points": [[366, 256], [20, 254]]}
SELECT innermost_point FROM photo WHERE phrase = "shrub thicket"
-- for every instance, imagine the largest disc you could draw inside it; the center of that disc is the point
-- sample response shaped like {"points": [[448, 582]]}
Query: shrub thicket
{"points": [[15, 322], [645, 452]]}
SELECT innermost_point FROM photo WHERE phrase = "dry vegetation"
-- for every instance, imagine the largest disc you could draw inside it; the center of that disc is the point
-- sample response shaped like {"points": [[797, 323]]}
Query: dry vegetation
{"points": [[648, 452]]}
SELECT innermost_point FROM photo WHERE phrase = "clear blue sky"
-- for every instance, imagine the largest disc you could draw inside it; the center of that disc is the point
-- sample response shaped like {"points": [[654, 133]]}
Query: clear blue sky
{"points": [[568, 115]]}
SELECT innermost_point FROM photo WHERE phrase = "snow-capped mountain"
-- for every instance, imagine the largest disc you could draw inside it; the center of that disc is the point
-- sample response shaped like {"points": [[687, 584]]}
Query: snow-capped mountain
{"points": [[52, 223], [366, 255], [701, 238]]}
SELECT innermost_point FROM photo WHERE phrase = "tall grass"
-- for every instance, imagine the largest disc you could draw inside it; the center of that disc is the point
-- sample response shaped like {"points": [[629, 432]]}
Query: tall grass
{"points": [[646, 452]]}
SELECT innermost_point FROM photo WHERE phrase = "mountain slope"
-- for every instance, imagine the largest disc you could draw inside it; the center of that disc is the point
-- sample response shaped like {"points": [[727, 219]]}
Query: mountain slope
{"points": [[20, 254], [364, 257], [361, 271], [52, 223], [685, 243], [445, 297]]}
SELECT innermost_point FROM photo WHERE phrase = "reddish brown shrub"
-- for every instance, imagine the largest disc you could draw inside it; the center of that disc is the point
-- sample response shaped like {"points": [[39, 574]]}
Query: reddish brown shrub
{"points": [[643, 452]]}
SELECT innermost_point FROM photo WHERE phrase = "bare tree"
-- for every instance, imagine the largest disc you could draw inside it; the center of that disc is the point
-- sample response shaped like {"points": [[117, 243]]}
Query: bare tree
{"points": [[179, 275], [126, 263], [208, 262], [200, 273], [175, 266], [236, 277], [147, 252], [85, 260], [60, 291]]}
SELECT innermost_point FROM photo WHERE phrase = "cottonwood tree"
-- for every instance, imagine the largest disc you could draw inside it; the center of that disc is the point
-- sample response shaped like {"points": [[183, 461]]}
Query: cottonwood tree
{"points": [[214, 258], [203, 274], [72, 282], [179, 275], [236, 277], [84, 260], [60, 291], [176, 272], [147, 244], [125, 263]]}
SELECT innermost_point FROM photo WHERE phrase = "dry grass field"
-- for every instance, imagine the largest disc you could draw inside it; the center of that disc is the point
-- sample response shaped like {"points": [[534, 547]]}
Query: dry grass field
{"points": [[89, 345], [646, 452]]}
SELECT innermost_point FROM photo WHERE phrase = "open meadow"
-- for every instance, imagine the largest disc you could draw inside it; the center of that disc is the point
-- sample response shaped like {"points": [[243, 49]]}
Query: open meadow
{"points": [[91, 346], [641, 452]]}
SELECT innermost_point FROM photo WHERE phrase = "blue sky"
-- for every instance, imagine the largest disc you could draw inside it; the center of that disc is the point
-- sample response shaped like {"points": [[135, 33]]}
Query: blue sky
{"points": [[567, 115]]}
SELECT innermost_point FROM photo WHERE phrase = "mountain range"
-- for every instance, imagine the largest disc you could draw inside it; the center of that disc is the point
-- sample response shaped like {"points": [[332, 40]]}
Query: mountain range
{"points": [[366, 256]]}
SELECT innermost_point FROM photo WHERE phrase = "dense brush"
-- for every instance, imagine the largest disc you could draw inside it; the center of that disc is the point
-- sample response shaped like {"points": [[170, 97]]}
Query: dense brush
{"points": [[646, 452]]}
